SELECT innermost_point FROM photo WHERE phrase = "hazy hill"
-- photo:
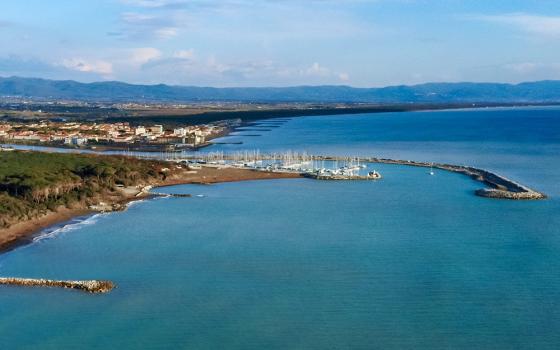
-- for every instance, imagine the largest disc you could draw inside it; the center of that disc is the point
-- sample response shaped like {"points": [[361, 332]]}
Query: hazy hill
{"points": [[542, 91]]}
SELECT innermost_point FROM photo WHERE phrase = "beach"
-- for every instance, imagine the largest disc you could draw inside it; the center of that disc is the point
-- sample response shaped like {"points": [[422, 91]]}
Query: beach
{"points": [[19, 233], [22, 232], [297, 263]]}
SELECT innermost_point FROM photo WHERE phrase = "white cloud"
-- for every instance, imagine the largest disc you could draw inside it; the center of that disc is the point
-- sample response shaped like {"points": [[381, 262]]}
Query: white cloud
{"points": [[344, 77], [165, 33], [149, 26], [317, 70], [137, 18], [184, 54], [153, 3], [548, 26], [144, 55], [89, 66], [236, 3], [184, 67]]}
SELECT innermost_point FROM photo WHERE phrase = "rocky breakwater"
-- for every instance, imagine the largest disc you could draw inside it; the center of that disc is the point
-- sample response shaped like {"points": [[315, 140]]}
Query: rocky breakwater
{"points": [[500, 187], [92, 286]]}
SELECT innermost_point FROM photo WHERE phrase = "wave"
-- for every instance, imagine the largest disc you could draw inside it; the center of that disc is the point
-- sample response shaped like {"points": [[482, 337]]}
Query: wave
{"points": [[134, 202], [71, 225], [75, 224]]}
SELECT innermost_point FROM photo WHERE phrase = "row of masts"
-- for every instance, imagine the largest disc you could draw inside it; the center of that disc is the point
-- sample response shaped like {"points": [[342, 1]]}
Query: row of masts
{"points": [[287, 157], [286, 161]]}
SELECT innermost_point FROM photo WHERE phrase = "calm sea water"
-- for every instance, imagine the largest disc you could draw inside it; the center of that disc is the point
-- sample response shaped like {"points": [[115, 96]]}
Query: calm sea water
{"points": [[410, 262]]}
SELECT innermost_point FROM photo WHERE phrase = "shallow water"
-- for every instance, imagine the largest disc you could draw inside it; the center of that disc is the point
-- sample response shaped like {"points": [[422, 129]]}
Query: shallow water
{"points": [[411, 261]]}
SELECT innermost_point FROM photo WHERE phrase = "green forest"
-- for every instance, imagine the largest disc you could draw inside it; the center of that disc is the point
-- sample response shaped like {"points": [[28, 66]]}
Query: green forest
{"points": [[32, 183]]}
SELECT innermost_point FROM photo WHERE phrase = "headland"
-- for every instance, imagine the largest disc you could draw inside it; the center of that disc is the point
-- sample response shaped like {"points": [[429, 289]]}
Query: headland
{"points": [[58, 187]]}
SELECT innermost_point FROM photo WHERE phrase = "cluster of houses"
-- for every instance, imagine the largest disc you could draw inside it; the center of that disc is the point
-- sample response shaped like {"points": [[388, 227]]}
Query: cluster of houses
{"points": [[78, 134]]}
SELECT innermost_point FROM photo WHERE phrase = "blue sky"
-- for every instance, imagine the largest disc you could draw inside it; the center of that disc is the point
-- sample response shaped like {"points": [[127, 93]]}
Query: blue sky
{"points": [[281, 43]]}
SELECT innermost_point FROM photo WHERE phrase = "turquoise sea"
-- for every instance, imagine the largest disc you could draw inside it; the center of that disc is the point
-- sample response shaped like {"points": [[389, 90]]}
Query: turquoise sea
{"points": [[409, 262]]}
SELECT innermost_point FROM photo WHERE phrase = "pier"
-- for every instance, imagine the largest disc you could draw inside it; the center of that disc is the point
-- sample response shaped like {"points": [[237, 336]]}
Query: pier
{"points": [[498, 186], [91, 286], [342, 177]]}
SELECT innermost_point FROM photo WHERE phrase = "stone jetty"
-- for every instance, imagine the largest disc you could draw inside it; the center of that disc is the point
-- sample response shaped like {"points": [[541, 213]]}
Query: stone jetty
{"points": [[498, 186], [92, 286]]}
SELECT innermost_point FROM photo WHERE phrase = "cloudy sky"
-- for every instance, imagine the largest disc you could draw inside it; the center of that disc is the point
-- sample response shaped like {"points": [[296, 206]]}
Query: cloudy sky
{"points": [[281, 42]]}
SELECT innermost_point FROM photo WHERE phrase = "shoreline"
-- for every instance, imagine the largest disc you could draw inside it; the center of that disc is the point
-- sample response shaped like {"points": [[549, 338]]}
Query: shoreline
{"points": [[24, 232], [325, 109], [498, 186], [255, 118]]}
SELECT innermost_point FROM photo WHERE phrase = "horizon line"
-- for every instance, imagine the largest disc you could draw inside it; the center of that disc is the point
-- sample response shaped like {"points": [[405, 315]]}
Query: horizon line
{"points": [[282, 87]]}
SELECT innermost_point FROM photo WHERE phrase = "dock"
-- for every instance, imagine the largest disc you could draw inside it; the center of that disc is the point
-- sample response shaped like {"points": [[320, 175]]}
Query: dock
{"points": [[341, 177]]}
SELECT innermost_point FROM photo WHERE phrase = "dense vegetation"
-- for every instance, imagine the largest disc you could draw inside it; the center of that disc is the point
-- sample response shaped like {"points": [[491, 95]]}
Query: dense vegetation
{"points": [[32, 183]]}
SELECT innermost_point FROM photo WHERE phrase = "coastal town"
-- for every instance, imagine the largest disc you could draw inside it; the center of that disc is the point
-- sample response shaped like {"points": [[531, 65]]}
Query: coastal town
{"points": [[92, 134]]}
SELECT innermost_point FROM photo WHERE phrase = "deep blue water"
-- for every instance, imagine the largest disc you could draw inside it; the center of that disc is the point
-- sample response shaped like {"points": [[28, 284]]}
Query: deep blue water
{"points": [[523, 143], [409, 262]]}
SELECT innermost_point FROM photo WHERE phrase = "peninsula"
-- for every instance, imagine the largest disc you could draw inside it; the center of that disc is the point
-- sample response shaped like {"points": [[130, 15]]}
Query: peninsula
{"points": [[39, 189]]}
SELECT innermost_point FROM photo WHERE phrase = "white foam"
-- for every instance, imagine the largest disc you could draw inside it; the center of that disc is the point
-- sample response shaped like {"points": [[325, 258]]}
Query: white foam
{"points": [[133, 203], [72, 225]]}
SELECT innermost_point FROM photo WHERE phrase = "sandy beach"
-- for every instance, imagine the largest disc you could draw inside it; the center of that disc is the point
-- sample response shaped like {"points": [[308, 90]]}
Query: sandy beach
{"points": [[19, 233]]}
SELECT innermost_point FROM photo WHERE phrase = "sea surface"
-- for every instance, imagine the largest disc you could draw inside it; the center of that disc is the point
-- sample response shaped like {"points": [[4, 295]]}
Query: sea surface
{"points": [[412, 261]]}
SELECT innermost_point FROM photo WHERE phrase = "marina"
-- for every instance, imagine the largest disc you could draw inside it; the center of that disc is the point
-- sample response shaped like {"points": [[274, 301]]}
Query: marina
{"points": [[334, 260], [306, 165], [324, 167], [352, 168]]}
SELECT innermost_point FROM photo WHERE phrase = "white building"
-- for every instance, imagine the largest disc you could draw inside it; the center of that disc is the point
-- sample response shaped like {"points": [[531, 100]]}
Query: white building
{"points": [[76, 141], [180, 132]]}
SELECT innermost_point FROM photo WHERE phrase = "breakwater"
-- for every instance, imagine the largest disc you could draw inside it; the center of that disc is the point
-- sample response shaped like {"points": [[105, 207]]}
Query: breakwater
{"points": [[91, 286], [499, 186]]}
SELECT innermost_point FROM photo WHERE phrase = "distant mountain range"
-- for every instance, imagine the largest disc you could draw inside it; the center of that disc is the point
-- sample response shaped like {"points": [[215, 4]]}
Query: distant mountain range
{"points": [[531, 92]]}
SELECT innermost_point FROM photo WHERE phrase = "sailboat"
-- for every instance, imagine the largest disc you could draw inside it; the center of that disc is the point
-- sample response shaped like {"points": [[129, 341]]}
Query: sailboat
{"points": [[432, 169]]}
